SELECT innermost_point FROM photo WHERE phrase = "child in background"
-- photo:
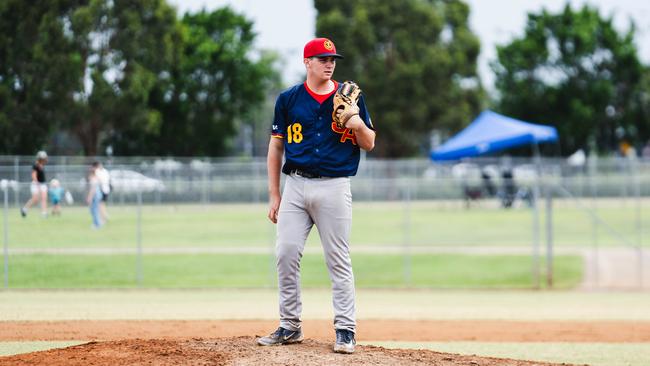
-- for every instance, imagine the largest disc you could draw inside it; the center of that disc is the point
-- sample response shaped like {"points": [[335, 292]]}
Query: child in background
{"points": [[56, 193]]}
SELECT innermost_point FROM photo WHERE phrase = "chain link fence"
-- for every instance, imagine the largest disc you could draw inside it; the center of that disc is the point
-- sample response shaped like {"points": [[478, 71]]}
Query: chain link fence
{"points": [[412, 219]]}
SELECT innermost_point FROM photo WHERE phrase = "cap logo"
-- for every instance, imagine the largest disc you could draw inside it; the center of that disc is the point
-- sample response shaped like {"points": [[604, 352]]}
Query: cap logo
{"points": [[328, 45]]}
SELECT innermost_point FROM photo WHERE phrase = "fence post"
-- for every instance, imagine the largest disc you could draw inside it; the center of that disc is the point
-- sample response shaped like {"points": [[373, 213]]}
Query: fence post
{"points": [[256, 180], [17, 179], [638, 225], [138, 260], [594, 225], [536, 229], [5, 190], [407, 235], [204, 183], [549, 236]]}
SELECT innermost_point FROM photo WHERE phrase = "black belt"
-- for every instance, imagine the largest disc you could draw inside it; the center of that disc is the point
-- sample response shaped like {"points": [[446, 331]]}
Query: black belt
{"points": [[305, 174]]}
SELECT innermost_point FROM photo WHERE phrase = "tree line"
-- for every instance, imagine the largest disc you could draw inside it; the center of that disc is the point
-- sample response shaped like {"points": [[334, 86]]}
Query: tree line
{"points": [[128, 74], [138, 77]]}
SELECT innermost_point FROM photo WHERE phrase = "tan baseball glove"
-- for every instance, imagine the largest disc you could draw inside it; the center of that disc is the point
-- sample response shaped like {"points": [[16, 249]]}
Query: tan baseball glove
{"points": [[345, 103]]}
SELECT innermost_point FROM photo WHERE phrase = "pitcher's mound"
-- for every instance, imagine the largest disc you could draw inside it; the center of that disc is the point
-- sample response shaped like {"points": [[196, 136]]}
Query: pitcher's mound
{"points": [[240, 351]]}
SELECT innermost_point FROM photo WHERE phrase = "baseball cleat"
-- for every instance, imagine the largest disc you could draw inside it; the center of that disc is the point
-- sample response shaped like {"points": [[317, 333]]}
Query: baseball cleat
{"points": [[344, 341], [281, 336]]}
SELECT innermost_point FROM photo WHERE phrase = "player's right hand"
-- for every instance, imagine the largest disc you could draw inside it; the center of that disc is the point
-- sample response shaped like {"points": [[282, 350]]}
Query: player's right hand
{"points": [[274, 207]]}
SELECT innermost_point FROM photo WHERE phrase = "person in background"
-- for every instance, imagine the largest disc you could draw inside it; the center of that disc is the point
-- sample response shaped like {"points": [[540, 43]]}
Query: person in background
{"points": [[94, 197], [38, 187], [105, 186], [56, 195]]}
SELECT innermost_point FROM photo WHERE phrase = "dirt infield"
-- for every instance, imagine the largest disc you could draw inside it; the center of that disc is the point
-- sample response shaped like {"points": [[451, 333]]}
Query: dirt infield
{"points": [[240, 351], [322, 330], [231, 342]]}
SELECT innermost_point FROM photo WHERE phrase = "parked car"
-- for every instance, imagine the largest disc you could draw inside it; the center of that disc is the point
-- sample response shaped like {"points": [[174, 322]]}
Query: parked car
{"points": [[6, 184], [129, 181]]}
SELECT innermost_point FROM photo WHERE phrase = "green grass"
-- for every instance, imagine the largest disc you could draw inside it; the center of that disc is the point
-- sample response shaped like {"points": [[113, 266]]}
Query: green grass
{"points": [[245, 227], [594, 354], [261, 303], [374, 224], [233, 270], [14, 348], [162, 226]]}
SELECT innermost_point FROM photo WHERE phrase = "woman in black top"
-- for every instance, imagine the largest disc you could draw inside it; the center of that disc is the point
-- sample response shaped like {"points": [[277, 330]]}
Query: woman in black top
{"points": [[38, 187]]}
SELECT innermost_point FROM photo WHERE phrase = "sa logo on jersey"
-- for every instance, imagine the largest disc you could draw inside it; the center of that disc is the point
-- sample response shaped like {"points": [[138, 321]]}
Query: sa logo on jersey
{"points": [[328, 45], [346, 134]]}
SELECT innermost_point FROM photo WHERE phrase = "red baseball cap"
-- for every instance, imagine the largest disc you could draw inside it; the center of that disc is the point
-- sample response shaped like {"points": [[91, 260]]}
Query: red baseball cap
{"points": [[320, 47]]}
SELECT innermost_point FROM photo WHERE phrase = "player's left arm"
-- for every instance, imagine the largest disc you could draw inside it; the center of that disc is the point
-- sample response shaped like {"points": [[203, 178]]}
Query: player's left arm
{"points": [[364, 131], [365, 136]]}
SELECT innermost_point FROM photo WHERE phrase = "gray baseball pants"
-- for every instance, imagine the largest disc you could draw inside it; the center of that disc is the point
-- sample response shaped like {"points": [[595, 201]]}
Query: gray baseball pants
{"points": [[326, 203]]}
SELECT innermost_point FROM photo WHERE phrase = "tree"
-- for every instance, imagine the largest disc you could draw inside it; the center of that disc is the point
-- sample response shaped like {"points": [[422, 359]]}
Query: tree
{"points": [[38, 68], [124, 46], [573, 70], [129, 74], [213, 86], [414, 59], [640, 110]]}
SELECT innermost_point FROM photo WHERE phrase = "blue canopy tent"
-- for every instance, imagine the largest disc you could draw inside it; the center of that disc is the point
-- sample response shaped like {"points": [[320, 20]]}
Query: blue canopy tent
{"points": [[491, 132]]}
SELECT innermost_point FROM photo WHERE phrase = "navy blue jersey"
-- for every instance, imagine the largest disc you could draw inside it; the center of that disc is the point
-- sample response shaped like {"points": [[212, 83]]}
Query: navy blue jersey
{"points": [[312, 141]]}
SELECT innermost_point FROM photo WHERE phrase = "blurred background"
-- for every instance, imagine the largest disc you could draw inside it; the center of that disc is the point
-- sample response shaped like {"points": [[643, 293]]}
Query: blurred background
{"points": [[512, 148]]}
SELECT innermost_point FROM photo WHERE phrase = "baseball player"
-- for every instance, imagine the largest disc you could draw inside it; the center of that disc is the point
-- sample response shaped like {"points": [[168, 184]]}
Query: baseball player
{"points": [[38, 187], [319, 127]]}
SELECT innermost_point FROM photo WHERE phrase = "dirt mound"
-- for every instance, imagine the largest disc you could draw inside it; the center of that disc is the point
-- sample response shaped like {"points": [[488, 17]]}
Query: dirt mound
{"points": [[240, 351]]}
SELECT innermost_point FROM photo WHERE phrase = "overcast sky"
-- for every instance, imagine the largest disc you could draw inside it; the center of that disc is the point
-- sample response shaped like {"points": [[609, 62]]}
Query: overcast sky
{"points": [[286, 25]]}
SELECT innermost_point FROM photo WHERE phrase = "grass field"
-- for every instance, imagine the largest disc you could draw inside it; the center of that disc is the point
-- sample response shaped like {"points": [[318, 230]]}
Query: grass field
{"points": [[199, 304], [233, 245], [13, 348], [594, 354], [374, 224], [232, 270]]}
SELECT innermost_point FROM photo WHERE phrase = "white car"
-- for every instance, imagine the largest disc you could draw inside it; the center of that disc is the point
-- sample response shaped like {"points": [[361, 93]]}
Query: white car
{"points": [[129, 181], [6, 184]]}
